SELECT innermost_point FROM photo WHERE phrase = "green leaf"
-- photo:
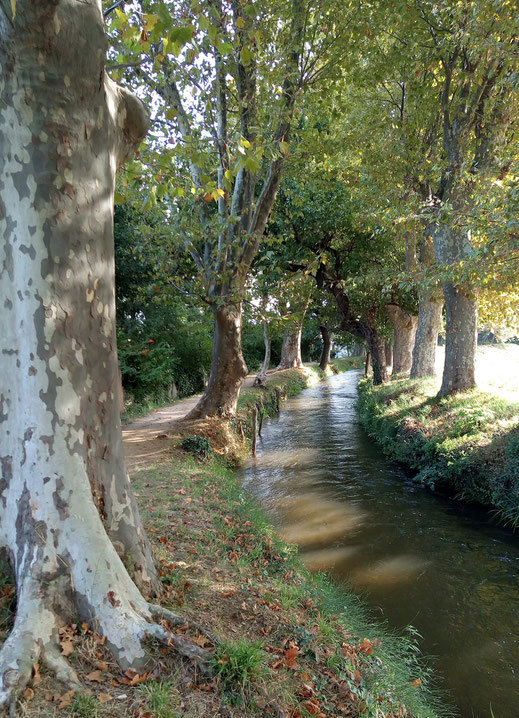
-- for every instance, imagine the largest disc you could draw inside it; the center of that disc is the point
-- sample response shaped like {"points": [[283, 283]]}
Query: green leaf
{"points": [[225, 48], [245, 55], [182, 35]]}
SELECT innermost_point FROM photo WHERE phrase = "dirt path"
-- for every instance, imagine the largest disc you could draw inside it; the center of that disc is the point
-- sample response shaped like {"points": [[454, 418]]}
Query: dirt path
{"points": [[145, 438]]}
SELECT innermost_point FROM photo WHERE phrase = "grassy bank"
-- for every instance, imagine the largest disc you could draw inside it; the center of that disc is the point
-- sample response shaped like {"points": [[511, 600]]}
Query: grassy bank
{"points": [[466, 444], [284, 642]]}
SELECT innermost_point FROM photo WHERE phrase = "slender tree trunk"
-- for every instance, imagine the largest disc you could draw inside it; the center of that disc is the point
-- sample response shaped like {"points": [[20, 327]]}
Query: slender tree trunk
{"points": [[67, 512], [461, 319], [404, 328], [426, 340], [228, 368], [327, 337], [261, 377], [291, 348]]}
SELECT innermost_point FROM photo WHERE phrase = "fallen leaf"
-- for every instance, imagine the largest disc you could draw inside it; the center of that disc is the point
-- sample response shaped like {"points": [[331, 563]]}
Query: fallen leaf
{"points": [[105, 697], [36, 677], [95, 676], [67, 647], [28, 694], [65, 700], [366, 647], [291, 655]]}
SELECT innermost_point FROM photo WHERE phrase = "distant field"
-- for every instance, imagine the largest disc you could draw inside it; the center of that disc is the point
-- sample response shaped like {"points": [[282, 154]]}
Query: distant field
{"points": [[497, 369]]}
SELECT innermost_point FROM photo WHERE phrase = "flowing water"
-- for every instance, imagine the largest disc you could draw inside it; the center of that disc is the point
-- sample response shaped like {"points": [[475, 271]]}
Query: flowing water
{"points": [[418, 558]]}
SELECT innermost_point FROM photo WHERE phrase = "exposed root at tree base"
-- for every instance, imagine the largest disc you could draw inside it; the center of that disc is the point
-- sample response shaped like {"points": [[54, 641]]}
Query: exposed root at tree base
{"points": [[30, 644]]}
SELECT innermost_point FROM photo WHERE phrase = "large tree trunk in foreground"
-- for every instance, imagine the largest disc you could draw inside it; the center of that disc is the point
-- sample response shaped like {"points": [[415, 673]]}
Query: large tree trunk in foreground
{"points": [[68, 515], [461, 317], [228, 368], [426, 340], [404, 326], [262, 375], [327, 337], [291, 347]]}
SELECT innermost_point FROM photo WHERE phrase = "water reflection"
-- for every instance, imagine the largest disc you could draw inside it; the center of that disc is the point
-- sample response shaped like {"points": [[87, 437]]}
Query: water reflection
{"points": [[438, 565]]}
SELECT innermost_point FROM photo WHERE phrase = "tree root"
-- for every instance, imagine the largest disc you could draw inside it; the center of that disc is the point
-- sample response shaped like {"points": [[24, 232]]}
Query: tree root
{"points": [[200, 657], [161, 613], [34, 639]]}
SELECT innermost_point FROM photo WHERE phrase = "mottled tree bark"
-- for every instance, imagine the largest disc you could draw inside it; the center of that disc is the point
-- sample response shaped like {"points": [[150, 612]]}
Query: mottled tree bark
{"points": [[262, 375], [228, 368], [430, 308], [291, 347], [426, 340], [461, 317], [404, 331], [327, 337], [68, 517]]}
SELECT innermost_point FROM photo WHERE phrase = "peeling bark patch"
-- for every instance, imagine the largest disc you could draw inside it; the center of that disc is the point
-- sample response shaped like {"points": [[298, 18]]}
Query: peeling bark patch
{"points": [[28, 250], [32, 371], [8, 249], [3, 486], [20, 183], [6, 464], [3, 401], [8, 304], [59, 502]]}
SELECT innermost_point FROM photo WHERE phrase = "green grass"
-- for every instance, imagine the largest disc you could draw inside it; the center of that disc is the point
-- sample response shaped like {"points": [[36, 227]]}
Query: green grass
{"points": [[238, 665], [467, 443], [162, 699], [86, 706]]}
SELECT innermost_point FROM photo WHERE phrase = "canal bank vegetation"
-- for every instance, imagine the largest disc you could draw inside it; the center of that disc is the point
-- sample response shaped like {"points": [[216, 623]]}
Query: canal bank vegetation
{"points": [[466, 444]]}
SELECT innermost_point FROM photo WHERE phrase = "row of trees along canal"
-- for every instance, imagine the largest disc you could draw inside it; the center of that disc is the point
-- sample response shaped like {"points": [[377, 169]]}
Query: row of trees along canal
{"points": [[391, 130]]}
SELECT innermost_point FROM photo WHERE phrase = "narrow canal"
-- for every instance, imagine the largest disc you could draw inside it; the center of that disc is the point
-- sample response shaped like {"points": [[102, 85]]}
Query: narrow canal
{"points": [[418, 559]]}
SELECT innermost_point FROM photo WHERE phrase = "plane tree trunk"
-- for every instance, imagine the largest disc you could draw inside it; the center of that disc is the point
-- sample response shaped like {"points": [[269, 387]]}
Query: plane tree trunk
{"points": [[429, 323], [461, 317], [327, 337], [228, 368], [291, 347], [404, 331], [430, 309], [68, 517]]}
